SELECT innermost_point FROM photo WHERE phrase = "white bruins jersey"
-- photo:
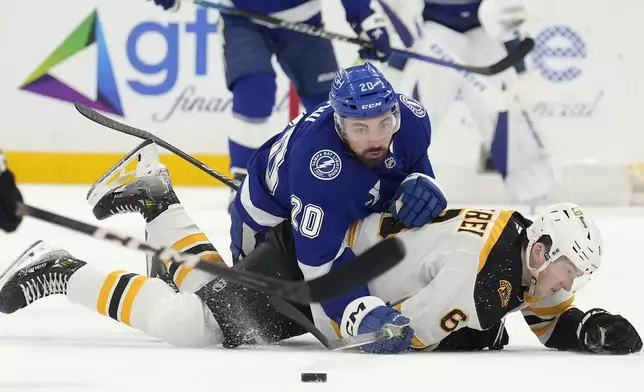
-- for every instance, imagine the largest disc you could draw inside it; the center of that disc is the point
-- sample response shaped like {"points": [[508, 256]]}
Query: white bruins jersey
{"points": [[462, 270]]}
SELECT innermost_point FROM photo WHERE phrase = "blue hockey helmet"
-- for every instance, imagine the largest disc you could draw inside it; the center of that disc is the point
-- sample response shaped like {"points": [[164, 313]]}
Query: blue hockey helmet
{"points": [[361, 91]]}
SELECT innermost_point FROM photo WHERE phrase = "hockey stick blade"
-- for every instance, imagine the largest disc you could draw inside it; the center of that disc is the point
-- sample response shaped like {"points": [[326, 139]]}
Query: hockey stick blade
{"points": [[512, 58], [361, 270], [377, 260], [388, 331], [291, 312], [105, 121]]}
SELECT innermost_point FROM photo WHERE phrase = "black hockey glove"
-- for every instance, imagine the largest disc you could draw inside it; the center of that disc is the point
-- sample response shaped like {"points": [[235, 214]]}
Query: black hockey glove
{"points": [[467, 339], [9, 198], [604, 333]]}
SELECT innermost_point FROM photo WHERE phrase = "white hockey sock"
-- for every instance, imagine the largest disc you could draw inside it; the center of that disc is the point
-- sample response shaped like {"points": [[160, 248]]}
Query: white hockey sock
{"points": [[174, 228], [147, 304]]}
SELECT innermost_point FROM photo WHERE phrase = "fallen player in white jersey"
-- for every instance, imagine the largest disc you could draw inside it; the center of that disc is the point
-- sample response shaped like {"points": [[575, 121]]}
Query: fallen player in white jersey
{"points": [[471, 267], [461, 275]]}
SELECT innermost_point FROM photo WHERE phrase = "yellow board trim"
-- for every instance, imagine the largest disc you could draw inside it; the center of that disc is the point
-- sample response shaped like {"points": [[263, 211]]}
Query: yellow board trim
{"points": [[495, 233], [106, 290], [86, 168], [126, 309]]}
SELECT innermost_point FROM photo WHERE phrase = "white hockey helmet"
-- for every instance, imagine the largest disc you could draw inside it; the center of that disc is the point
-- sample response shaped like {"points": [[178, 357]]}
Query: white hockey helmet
{"points": [[573, 235]]}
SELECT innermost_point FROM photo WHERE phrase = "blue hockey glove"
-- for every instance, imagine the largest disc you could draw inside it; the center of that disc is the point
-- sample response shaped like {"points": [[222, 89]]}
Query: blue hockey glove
{"points": [[168, 5], [374, 29], [370, 314], [417, 200]]}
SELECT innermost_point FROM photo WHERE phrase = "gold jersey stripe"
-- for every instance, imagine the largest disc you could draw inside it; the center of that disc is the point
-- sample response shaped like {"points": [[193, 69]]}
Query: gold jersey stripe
{"points": [[183, 271], [106, 289], [551, 310], [352, 234], [543, 330], [215, 257], [181, 275], [416, 343], [132, 291], [336, 328], [189, 240], [495, 233]]}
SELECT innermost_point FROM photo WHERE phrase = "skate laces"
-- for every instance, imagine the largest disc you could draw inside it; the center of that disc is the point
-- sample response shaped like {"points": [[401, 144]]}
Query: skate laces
{"points": [[121, 209], [44, 285]]}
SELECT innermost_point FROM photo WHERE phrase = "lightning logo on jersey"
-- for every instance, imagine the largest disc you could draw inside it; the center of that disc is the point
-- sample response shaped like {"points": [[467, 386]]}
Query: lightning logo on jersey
{"points": [[375, 194]]}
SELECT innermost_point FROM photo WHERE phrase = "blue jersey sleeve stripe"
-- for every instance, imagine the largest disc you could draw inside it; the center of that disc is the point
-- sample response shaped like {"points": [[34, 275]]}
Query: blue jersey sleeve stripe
{"points": [[311, 272], [258, 215], [248, 220], [315, 271]]}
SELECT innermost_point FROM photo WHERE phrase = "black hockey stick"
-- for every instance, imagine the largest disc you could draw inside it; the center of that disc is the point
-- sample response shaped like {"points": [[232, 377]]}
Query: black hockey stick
{"points": [[136, 132], [98, 118], [361, 270], [512, 58], [387, 332], [282, 306]]}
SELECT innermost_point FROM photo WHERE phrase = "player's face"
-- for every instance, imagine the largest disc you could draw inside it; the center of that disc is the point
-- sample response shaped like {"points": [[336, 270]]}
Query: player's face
{"points": [[559, 275], [369, 138]]}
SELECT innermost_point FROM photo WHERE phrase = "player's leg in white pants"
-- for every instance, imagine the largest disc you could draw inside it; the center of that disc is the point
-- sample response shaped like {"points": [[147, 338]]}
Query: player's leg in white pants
{"points": [[147, 304], [174, 228], [167, 223]]}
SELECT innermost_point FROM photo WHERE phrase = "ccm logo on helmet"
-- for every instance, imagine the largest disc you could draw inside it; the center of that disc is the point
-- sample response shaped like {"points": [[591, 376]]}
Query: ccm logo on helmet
{"points": [[371, 105]]}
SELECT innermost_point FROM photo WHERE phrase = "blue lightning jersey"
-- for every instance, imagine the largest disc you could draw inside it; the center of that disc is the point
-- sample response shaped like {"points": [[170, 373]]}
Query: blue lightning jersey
{"points": [[308, 175], [304, 10]]}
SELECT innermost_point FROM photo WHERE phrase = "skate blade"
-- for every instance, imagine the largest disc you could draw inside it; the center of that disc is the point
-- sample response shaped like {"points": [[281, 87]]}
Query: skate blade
{"points": [[141, 161], [17, 263]]}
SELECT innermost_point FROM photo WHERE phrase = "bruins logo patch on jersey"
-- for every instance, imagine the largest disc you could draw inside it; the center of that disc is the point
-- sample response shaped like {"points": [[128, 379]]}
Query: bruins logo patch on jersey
{"points": [[505, 289]]}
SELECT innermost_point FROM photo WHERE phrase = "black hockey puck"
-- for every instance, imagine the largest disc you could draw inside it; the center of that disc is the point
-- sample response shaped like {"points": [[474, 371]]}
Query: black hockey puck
{"points": [[313, 377]]}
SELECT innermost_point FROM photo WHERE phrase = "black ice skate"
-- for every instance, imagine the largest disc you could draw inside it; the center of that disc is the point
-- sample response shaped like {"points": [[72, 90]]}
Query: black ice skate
{"points": [[149, 196], [46, 272], [149, 193]]}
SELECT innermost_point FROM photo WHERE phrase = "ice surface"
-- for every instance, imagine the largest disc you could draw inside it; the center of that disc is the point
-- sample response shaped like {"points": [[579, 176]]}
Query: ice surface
{"points": [[56, 346]]}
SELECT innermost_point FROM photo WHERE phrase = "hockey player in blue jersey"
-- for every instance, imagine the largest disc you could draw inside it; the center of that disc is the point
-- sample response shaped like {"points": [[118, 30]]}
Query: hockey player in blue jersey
{"points": [[363, 151], [308, 61]]}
